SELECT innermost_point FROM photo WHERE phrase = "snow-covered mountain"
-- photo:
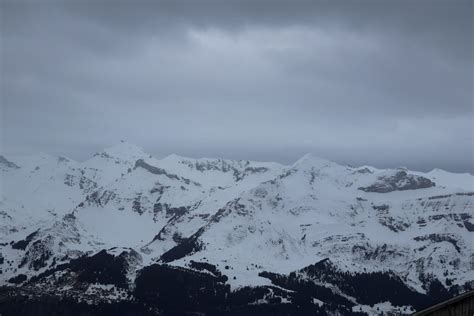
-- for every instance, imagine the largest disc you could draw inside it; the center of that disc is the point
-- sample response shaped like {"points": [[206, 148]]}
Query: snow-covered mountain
{"points": [[222, 236]]}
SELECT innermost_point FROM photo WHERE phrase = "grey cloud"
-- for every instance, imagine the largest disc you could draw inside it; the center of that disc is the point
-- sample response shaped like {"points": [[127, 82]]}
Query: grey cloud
{"points": [[379, 82]]}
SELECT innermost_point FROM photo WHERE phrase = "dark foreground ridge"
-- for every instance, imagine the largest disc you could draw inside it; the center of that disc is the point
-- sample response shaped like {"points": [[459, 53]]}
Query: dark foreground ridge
{"points": [[160, 289]]}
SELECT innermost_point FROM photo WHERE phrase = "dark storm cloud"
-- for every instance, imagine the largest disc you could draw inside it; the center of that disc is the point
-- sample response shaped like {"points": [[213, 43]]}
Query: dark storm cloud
{"points": [[379, 82]]}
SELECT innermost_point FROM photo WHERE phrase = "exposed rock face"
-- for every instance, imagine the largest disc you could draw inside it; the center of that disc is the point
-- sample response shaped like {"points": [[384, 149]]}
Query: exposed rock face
{"points": [[5, 163], [400, 181], [238, 169], [38, 254], [22, 244], [185, 247], [436, 238], [157, 171]]}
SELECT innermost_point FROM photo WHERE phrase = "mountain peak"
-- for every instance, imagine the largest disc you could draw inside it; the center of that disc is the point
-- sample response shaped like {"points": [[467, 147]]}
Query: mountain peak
{"points": [[310, 160], [175, 157], [125, 151]]}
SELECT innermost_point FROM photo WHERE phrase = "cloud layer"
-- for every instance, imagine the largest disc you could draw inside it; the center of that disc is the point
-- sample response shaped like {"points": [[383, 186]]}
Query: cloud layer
{"points": [[386, 83]]}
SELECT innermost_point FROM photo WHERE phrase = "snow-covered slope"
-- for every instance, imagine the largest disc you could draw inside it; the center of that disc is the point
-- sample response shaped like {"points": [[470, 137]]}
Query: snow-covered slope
{"points": [[251, 221]]}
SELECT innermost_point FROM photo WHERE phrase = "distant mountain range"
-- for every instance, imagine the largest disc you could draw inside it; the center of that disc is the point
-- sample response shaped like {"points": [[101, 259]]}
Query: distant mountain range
{"points": [[125, 233]]}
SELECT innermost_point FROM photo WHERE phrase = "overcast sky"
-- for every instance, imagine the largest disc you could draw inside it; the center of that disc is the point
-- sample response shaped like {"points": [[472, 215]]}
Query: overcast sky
{"points": [[386, 83]]}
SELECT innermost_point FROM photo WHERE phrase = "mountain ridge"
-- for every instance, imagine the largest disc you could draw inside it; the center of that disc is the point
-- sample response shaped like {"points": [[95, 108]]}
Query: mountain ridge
{"points": [[177, 210]]}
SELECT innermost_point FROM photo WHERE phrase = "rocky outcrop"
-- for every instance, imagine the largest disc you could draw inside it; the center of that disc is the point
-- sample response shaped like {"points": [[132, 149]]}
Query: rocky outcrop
{"points": [[5, 163], [140, 163], [400, 181], [22, 244]]}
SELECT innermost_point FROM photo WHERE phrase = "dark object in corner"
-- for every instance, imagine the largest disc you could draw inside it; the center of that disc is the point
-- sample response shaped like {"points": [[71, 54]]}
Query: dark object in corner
{"points": [[457, 306]]}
